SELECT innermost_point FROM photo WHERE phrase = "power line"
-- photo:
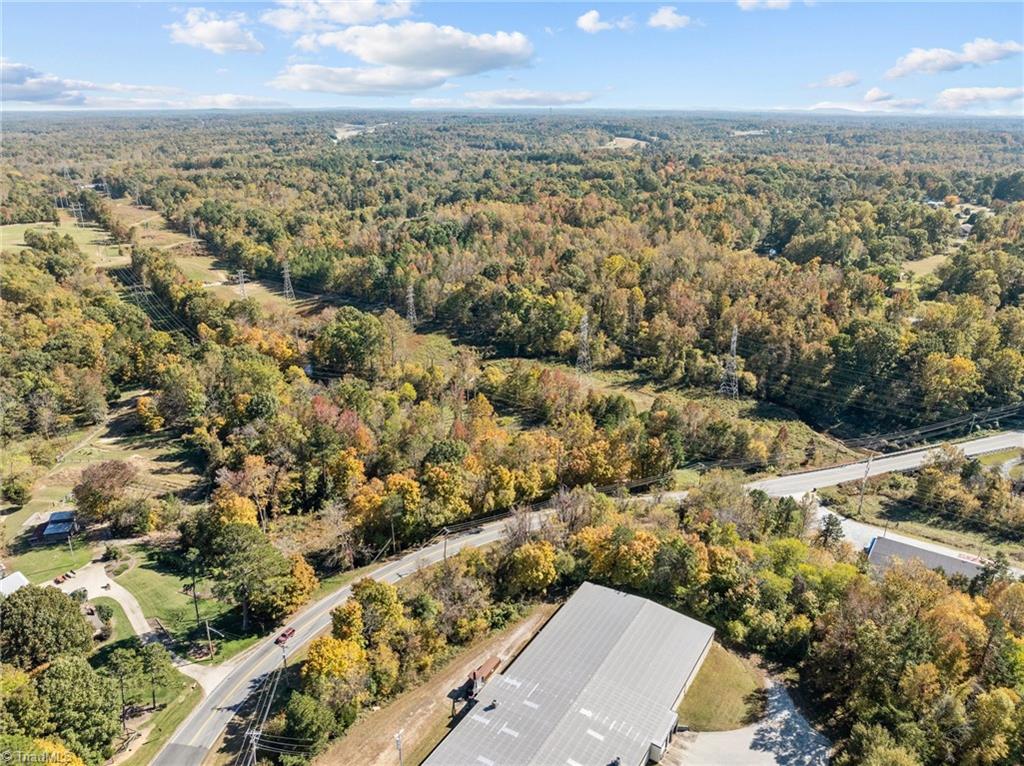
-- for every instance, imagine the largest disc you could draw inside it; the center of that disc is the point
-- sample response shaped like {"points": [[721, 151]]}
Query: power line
{"points": [[584, 365], [410, 303], [289, 292], [730, 382]]}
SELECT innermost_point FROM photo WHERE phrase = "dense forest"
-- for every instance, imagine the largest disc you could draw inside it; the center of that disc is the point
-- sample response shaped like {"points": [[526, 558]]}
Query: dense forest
{"points": [[325, 439]]}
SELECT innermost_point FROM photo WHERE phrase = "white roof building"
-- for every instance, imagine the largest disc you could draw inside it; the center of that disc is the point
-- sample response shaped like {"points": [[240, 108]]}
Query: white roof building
{"points": [[11, 583], [598, 685]]}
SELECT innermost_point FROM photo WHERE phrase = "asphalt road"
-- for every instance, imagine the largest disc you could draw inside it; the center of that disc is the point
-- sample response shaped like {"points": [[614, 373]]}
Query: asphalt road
{"points": [[200, 731], [800, 483]]}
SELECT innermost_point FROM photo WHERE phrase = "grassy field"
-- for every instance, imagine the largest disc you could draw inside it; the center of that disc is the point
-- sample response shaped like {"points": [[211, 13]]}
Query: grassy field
{"points": [[924, 266], [121, 628], [174, 701], [724, 695], [199, 265], [161, 594], [163, 468], [92, 240]]}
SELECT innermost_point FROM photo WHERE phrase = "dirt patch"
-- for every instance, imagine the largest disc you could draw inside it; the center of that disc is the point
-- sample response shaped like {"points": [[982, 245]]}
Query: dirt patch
{"points": [[622, 142], [422, 713]]}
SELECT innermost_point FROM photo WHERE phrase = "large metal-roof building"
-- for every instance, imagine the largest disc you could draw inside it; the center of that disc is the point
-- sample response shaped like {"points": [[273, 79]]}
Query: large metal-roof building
{"points": [[599, 685], [883, 550]]}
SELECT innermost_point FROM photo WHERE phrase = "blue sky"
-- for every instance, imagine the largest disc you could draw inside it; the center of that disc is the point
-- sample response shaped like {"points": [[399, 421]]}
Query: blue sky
{"points": [[920, 57]]}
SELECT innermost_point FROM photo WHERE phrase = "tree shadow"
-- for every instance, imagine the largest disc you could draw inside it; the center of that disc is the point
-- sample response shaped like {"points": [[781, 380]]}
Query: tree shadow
{"points": [[756, 706], [787, 735]]}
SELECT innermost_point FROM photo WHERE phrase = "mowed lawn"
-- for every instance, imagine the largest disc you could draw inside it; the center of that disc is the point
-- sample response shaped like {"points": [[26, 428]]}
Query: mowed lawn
{"points": [[174, 700], [91, 239], [724, 695], [161, 593]]}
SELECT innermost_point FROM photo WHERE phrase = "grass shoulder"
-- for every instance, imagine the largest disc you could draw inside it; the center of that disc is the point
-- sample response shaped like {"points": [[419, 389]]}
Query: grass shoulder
{"points": [[725, 695]]}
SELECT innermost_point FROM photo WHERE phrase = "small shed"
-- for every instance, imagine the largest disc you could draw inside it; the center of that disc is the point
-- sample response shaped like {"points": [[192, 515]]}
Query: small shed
{"points": [[60, 525], [14, 581]]}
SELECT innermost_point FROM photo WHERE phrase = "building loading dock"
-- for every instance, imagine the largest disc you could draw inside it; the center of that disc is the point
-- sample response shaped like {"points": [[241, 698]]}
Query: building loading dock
{"points": [[599, 685]]}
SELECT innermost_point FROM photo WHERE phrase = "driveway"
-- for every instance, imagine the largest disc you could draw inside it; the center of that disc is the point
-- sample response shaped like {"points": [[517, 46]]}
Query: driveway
{"points": [[782, 738], [94, 578]]}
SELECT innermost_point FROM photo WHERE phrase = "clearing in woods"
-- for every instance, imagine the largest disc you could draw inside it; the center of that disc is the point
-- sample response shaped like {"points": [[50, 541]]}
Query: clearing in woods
{"points": [[163, 465], [196, 264], [92, 240]]}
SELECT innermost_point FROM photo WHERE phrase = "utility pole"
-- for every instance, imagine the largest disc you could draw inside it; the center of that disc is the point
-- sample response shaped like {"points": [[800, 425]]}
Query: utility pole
{"points": [[209, 641], [398, 745], [730, 383], [195, 597], [445, 532], [410, 303], [864, 485], [241, 282], [286, 275], [583, 361]]}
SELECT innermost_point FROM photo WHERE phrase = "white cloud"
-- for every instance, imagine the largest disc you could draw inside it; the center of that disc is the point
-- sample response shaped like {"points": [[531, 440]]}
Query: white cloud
{"points": [[845, 79], [955, 99], [231, 101], [666, 17], [591, 23], [877, 94], [521, 97], [403, 57], [433, 103], [356, 81], [765, 5], [874, 100], [489, 99], [23, 84], [978, 52], [425, 46], [311, 15], [205, 29]]}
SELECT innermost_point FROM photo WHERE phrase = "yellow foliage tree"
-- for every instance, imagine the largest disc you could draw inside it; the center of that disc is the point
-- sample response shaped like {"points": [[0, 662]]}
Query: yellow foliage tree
{"points": [[333, 658], [229, 507], [148, 415], [531, 567]]}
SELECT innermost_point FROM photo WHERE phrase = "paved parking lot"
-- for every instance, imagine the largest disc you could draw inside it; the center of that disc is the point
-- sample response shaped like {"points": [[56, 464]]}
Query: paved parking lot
{"points": [[782, 738]]}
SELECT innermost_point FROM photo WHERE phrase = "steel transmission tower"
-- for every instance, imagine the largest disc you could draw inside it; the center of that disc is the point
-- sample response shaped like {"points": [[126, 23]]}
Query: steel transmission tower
{"points": [[241, 282], [286, 276], [192, 229], [730, 383], [410, 303], [583, 362]]}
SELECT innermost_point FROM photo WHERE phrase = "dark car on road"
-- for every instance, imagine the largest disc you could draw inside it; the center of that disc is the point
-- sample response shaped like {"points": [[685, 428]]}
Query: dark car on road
{"points": [[285, 635]]}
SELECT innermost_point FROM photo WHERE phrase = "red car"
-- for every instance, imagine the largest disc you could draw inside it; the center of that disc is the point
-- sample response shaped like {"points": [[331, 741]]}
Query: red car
{"points": [[288, 633]]}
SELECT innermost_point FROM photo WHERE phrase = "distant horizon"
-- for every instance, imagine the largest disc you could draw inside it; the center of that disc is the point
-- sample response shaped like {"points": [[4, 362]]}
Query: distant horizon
{"points": [[527, 111]]}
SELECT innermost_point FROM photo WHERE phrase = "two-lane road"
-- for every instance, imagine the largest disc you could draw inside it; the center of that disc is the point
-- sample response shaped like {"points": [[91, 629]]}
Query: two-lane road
{"points": [[199, 733], [800, 483]]}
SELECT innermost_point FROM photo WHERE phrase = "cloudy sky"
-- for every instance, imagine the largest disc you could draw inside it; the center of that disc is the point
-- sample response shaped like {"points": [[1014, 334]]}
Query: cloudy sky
{"points": [[896, 58]]}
